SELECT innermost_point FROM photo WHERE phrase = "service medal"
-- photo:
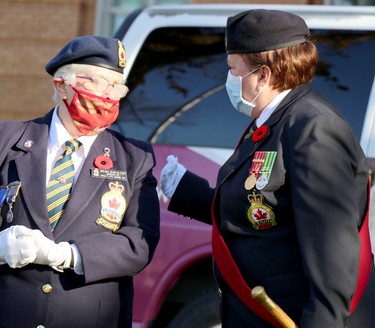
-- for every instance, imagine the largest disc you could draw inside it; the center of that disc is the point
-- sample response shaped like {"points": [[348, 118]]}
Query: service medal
{"points": [[113, 207], [265, 171], [262, 181], [256, 165], [250, 181]]}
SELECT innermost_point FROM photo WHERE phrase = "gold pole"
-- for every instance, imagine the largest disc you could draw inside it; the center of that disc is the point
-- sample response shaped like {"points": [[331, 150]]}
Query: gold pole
{"points": [[259, 294]]}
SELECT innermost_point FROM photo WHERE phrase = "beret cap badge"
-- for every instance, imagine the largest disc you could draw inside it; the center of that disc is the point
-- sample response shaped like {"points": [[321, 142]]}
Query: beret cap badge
{"points": [[121, 55]]}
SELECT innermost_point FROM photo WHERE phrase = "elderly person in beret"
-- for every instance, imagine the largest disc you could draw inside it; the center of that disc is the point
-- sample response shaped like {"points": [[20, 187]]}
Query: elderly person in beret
{"points": [[79, 208], [290, 202]]}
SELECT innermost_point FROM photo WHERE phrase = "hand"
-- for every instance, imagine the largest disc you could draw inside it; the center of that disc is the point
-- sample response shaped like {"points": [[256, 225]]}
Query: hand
{"points": [[58, 256], [171, 175], [17, 249]]}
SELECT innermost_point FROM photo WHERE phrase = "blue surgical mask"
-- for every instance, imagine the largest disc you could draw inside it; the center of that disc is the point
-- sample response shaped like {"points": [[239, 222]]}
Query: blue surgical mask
{"points": [[234, 90]]}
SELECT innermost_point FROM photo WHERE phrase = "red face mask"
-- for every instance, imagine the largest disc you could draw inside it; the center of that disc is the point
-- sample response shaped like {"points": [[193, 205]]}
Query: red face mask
{"points": [[92, 114]]}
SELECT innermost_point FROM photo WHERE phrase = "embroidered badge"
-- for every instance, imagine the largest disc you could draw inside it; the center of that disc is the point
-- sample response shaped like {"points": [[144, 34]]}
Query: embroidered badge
{"points": [[259, 214], [121, 54], [113, 207]]}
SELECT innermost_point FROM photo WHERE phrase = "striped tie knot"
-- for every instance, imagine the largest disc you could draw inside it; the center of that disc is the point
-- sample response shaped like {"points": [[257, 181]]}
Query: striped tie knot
{"points": [[71, 146]]}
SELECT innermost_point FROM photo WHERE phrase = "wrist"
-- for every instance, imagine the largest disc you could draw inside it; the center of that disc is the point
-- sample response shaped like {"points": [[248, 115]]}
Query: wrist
{"points": [[67, 256]]}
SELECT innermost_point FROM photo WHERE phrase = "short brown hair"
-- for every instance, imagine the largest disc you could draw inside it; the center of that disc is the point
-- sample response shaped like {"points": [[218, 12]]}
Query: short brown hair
{"points": [[291, 67]]}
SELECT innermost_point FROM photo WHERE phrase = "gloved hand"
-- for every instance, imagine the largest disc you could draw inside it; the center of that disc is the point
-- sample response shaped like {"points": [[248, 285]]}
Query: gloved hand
{"points": [[58, 256], [171, 175], [16, 247]]}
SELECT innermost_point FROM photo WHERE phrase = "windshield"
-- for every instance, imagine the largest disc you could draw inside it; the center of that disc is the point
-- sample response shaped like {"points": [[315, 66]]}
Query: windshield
{"points": [[177, 85]]}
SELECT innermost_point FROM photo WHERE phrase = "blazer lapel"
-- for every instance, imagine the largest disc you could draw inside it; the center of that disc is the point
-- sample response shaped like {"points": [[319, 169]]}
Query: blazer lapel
{"points": [[31, 168]]}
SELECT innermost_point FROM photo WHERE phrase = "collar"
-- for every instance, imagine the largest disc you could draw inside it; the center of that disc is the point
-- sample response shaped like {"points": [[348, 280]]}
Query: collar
{"points": [[270, 108]]}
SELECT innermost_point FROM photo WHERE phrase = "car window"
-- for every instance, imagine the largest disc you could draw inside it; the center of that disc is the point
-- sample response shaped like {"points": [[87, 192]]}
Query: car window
{"points": [[177, 85]]}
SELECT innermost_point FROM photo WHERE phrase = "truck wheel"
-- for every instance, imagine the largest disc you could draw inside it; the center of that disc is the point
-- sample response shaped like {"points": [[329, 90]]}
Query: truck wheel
{"points": [[201, 312]]}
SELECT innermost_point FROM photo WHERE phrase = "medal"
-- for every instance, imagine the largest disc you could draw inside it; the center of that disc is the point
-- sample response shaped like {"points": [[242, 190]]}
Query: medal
{"points": [[265, 171], [256, 165], [262, 181], [3, 195], [250, 181], [12, 194]]}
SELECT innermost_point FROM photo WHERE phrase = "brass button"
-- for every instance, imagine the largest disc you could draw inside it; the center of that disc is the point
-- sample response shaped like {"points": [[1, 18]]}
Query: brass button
{"points": [[47, 288]]}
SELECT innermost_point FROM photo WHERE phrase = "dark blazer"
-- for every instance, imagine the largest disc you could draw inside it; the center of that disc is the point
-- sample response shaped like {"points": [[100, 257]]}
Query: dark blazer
{"points": [[103, 296], [307, 254]]}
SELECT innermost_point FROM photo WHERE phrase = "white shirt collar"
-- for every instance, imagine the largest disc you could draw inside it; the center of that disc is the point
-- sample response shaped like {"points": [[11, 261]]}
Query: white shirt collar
{"points": [[270, 108]]}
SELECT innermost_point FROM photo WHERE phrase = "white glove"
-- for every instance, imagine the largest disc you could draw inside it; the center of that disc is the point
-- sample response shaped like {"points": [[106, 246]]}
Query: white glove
{"points": [[171, 175], [58, 256], [16, 247]]}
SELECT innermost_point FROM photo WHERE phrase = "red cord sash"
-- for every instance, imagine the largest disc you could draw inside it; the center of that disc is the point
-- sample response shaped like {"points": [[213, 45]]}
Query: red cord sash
{"points": [[365, 255]]}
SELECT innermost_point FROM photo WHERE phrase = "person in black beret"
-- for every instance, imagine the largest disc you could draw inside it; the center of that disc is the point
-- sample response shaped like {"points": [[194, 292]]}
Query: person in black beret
{"points": [[79, 208], [289, 211]]}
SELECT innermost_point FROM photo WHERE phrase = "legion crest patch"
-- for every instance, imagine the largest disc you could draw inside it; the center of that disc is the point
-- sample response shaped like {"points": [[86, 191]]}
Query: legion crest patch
{"points": [[259, 214], [113, 207]]}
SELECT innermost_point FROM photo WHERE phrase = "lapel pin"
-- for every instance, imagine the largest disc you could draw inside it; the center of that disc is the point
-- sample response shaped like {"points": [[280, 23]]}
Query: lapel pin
{"points": [[28, 143]]}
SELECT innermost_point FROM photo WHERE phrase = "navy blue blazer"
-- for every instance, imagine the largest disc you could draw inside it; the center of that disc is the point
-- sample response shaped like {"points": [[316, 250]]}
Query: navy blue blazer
{"points": [[296, 235], [103, 296]]}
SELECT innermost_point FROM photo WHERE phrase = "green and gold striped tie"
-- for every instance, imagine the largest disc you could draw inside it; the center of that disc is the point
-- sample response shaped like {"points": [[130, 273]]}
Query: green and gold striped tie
{"points": [[60, 183]]}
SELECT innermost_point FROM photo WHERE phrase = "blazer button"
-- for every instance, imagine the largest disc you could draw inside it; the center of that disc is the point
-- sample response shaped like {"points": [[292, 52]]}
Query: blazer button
{"points": [[47, 288], [40, 326]]}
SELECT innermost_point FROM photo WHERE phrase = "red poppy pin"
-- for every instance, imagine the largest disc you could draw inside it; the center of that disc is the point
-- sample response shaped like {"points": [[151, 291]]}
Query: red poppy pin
{"points": [[259, 133], [103, 162]]}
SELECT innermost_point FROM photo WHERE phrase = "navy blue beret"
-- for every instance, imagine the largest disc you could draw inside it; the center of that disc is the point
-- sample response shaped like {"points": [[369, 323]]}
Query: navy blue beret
{"points": [[90, 50], [262, 30]]}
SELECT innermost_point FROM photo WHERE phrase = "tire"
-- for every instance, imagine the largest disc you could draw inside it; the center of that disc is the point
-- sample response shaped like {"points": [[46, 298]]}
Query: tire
{"points": [[201, 312]]}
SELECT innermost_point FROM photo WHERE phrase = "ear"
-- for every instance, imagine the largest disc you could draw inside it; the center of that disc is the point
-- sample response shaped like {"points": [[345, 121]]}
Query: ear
{"points": [[266, 73], [60, 86], [264, 76]]}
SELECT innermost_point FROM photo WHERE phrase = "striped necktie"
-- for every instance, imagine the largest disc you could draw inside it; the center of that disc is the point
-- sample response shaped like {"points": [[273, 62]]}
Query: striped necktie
{"points": [[60, 183]]}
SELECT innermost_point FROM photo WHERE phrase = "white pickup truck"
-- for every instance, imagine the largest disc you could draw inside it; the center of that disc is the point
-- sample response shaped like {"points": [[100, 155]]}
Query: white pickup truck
{"points": [[176, 71]]}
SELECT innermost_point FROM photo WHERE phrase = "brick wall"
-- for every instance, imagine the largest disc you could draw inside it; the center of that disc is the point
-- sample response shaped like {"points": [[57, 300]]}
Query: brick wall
{"points": [[31, 33]]}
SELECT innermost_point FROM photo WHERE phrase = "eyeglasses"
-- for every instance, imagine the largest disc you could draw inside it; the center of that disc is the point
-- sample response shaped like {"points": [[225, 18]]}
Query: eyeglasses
{"points": [[101, 84]]}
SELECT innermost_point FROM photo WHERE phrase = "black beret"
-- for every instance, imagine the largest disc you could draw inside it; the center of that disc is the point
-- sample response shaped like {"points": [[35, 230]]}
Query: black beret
{"points": [[90, 50], [262, 30]]}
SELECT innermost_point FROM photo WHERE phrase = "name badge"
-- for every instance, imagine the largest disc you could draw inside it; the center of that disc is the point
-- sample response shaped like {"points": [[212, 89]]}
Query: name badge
{"points": [[109, 174]]}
